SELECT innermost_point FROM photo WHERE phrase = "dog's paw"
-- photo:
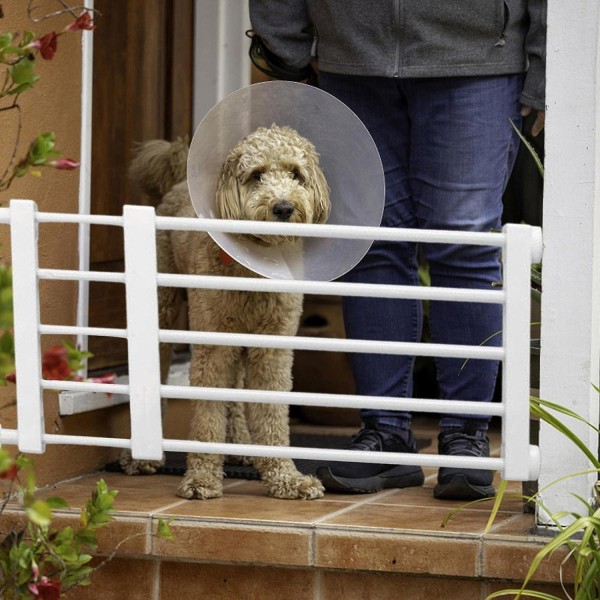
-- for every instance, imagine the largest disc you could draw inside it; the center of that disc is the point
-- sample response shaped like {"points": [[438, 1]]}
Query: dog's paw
{"points": [[131, 466], [296, 487], [199, 487]]}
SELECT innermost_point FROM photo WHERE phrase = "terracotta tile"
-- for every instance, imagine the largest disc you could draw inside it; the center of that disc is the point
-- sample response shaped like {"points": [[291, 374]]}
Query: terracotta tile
{"points": [[131, 535], [427, 520], [388, 586], [224, 582], [511, 560], [519, 527], [256, 508], [231, 543], [119, 579], [423, 496], [396, 553], [144, 495], [547, 588]]}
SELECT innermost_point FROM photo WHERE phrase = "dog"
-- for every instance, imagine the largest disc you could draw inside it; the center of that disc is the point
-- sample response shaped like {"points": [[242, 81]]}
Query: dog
{"points": [[273, 174]]}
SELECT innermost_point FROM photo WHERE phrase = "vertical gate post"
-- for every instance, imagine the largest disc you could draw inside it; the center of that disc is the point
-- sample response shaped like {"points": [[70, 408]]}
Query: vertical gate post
{"points": [[139, 231], [26, 313], [516, 264]]}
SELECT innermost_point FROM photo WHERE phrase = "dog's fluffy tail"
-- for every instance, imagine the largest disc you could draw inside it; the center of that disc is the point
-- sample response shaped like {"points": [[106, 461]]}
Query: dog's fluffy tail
{"points": [[159, 165]]}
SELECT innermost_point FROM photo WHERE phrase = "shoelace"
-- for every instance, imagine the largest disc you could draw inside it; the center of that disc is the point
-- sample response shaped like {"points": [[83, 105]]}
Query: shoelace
{"points": [[463, 444], [367, 439]]}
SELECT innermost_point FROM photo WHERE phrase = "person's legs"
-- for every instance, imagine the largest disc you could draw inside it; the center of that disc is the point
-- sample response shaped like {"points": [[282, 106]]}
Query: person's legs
{"points": [[381, 106], [463, 149]]}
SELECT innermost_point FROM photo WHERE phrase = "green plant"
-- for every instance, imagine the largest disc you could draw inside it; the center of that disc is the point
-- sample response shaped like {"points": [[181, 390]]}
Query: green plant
{"points": [[18, 56], [581, 535], [36, 559]]}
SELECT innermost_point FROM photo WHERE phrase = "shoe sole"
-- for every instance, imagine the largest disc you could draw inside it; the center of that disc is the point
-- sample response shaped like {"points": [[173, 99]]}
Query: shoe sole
{"points": [[369, 485], [459, 488]]}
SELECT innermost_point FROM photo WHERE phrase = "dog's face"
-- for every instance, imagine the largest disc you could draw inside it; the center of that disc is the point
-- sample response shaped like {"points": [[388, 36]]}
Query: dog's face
{"points": [[273, 174]]}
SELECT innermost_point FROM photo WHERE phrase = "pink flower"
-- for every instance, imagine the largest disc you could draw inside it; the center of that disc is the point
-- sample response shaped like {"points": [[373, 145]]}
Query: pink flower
{"points": [[106, 378], [83, 22], [46, 45], [64, 164]]}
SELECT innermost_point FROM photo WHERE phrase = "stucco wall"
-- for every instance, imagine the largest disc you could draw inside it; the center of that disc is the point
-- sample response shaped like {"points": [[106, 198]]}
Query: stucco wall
{"points": [[52, 105]]}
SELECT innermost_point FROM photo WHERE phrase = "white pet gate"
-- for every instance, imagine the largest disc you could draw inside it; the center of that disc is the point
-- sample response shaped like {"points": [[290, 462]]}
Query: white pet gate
{"points": [[521, 246]]}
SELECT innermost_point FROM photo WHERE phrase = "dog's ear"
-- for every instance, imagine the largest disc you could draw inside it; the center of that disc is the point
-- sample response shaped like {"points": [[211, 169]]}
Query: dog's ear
{"points": [[228, 190], [318, 185]]}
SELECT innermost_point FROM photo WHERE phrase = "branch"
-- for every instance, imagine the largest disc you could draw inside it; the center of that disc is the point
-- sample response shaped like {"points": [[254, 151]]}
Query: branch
{"points": [[74, 11]]}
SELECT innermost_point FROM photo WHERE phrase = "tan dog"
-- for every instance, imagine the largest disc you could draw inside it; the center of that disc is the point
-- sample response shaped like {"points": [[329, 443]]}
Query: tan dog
{"points": [[271, 175]]}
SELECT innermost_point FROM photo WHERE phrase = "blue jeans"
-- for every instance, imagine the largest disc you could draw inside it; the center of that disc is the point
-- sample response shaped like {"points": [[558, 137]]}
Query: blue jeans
{"points": [[447, 149]]}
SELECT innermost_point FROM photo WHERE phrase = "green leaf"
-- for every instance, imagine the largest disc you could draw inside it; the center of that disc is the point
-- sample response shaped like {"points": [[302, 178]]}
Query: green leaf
{"points": [[163, 530], [534, 154], [22, 72], [40, 513], [57, 503]]}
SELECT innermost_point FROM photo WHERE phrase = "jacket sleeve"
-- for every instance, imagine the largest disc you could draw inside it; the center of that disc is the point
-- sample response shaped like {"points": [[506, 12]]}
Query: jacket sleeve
{"points": [[285, 27], [535, 80]]}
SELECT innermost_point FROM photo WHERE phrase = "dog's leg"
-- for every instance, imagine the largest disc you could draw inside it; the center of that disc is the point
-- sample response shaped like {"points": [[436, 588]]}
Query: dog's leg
{"points": [[270, 369], [212, 366]]}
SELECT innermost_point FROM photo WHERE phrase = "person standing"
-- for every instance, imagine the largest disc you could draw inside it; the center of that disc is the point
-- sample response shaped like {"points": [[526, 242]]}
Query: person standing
{"points": [[437, 84]]}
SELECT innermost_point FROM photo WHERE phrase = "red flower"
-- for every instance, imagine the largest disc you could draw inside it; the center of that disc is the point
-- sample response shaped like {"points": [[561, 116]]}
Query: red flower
{"points": [[10, 473], [46, 45], [65, 164], [83, 22], [46, 589], [12, 377], [55, 364]]}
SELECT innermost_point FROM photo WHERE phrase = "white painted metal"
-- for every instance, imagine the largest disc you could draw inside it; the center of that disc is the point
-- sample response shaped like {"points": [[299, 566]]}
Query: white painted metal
{"points": [[26, 311], [85, 178], [570, 331], [515, 369], [519, 244], [221, 62], [330, 344], [142, 328]]}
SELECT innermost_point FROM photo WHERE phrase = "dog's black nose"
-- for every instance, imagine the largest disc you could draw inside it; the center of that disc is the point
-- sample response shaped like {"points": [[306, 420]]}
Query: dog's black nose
{"points": [[283, 210]]}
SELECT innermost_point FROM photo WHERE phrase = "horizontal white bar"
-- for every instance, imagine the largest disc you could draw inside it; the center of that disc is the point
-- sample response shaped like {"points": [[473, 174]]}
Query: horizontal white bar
{"points": [[76, 330], [45, 217], [84, 386], [297, 229], [8, 436], [333, 231], [72, 275], [333, 400], [337, 288], [329, 344]]}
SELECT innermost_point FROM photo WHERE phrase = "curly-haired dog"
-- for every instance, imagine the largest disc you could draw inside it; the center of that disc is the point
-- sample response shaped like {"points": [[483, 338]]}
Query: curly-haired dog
{"points": [[273, 174]]}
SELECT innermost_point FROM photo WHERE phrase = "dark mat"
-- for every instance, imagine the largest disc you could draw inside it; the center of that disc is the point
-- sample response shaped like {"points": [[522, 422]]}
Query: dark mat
{"points": [[175, 462]]}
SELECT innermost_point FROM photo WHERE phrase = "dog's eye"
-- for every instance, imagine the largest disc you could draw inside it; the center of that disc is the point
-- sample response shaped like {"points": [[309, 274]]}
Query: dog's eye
{"points": [[256, 175], [297, 175]]}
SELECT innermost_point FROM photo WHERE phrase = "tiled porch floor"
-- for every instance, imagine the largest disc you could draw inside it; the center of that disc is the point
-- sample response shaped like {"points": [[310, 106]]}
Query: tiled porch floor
{"points": [[396, 532]]}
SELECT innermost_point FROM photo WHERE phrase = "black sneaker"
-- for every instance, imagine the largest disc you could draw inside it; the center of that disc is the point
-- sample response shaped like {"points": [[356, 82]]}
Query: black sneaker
{"points": [[464, 484], [362, 478]]}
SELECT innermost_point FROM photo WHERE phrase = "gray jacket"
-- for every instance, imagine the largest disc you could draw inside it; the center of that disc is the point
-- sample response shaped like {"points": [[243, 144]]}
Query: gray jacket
{"points": [[411, 38]]}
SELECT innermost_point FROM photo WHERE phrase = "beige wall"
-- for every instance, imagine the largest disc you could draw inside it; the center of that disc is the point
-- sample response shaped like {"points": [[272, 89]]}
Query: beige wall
{"points": [[52, 105]]}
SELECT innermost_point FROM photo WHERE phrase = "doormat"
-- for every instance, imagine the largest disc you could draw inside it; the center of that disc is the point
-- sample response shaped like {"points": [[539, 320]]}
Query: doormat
{"points": [[175, 462]]}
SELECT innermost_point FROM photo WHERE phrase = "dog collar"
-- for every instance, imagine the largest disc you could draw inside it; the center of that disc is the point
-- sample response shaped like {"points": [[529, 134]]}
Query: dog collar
{"points": [[225, 258]]}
